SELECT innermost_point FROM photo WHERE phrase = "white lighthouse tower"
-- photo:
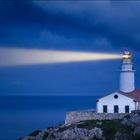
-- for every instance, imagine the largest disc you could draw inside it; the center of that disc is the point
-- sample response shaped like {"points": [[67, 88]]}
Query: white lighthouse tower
{"points": [[127, 74]]}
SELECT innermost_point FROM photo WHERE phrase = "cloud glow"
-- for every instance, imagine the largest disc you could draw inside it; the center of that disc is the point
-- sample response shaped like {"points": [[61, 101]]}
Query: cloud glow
{"points": [[19, 57]]}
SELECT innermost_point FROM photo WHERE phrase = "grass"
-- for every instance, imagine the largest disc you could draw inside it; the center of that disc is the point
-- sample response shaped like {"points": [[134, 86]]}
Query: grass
{"points": [[61, 129], [34, 133]]}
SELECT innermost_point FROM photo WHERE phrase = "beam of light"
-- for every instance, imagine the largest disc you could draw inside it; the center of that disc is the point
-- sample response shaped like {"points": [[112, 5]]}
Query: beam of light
{"points": [[18, 56]]}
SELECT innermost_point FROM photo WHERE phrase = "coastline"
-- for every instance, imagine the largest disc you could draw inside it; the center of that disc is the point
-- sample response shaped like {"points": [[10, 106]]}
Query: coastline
{"points": [[117, 129]]}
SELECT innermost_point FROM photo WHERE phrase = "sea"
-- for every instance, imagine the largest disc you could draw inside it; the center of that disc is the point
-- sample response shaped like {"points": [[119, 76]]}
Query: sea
{"points": [[19, 116]]}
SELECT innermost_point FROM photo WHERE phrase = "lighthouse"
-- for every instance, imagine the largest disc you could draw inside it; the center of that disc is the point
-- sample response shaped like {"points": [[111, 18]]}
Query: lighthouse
{"points": [[127, 73], [126, 98], [116, 104]]}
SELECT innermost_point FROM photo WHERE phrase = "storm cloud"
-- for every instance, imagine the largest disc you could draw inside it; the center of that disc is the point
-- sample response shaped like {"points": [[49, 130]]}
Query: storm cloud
{"points": [[72, 25]]}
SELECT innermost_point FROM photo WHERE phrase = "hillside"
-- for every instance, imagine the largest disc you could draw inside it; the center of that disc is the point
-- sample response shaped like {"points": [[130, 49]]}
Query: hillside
{"points": [[126, 129]]}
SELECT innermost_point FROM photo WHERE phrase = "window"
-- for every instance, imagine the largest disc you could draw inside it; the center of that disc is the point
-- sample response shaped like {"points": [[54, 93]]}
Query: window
{"points": [[116, 109], [116, 96], [127, 109], [104, 108]]}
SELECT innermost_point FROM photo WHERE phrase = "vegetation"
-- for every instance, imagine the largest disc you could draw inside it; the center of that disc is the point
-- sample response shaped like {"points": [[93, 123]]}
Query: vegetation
{"points": [[61, 129], [34, 133]]}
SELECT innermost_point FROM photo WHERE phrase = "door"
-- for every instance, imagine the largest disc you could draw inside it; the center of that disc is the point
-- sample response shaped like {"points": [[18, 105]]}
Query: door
{"points": [[116, 109], [127, 109], [104, 108]]}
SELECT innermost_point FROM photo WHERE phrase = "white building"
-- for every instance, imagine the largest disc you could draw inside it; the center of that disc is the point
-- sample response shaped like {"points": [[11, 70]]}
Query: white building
{"points": [[127, 98]]}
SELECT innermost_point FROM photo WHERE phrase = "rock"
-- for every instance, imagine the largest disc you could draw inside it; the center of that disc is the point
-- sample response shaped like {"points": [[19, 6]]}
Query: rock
{"points": [[132, 120], [136, 119], [76, 134], [120, 136], [137, 131], [127, 122], [97, 132], [99, 123]]}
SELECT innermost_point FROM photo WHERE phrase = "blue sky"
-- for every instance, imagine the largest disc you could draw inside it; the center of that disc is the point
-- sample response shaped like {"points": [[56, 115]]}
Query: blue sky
{"points": [[93, 26]]}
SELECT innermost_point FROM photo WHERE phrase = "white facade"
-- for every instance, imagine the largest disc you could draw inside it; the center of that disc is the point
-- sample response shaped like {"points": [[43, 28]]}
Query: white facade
{"points": [[124, 103]]}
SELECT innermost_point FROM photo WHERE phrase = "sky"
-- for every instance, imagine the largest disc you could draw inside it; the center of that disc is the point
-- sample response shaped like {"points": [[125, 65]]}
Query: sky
{"points": [[105, 26]]}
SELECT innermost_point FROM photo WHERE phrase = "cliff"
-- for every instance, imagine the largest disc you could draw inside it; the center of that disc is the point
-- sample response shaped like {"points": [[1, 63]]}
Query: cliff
{"points": [[127, 128]]}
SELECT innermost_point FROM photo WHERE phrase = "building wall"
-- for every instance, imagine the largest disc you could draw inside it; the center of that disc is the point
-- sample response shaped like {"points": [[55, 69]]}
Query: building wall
{"points": [[110, 101], [77, 116]]}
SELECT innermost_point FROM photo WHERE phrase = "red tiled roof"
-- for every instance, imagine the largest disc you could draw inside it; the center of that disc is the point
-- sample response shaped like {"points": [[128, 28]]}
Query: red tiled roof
{"points": [[134, 94]]}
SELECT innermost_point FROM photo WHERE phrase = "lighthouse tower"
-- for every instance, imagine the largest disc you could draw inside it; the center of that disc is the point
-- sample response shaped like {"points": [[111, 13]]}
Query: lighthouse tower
{"points": [[127, 74]]}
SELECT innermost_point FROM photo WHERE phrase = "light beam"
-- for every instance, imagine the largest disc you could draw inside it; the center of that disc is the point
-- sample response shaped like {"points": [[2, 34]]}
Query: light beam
{"points": [[18, 56]]}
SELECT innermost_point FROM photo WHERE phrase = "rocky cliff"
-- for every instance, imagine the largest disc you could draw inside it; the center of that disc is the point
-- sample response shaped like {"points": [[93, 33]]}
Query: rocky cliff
{"points": [[128, 128]]}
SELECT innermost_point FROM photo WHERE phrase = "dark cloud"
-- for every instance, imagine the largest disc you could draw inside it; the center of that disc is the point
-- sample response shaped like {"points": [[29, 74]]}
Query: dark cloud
{"points": [[73, 25], [69, 23]]}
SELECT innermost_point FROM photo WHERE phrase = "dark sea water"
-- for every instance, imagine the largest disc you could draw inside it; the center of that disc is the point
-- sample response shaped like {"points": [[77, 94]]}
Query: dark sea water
{"points": [[21, 115]]}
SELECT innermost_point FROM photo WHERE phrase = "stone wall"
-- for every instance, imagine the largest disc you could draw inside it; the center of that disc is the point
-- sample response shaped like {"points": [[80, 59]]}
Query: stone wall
{"points": [[76, 116]]}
